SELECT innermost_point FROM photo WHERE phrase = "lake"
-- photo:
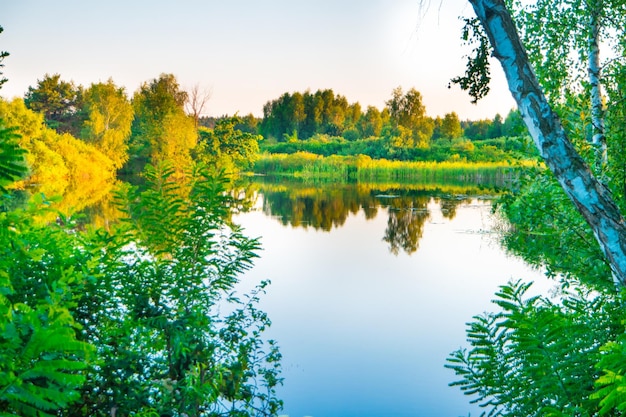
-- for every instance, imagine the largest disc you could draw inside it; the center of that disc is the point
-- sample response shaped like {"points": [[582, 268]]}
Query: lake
{"points": [[371, 289]]}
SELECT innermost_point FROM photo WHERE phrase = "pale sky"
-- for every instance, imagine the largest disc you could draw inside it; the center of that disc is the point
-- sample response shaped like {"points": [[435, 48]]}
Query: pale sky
{"points": [[249, 52]]}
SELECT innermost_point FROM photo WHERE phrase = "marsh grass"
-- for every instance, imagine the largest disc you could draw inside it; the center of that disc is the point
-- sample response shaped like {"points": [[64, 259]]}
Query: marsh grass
{"points": [[362, 168]]}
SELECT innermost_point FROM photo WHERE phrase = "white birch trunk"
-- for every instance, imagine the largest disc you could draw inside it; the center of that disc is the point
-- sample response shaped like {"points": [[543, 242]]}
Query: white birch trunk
{"points": [[590, 197], [597, 107]]}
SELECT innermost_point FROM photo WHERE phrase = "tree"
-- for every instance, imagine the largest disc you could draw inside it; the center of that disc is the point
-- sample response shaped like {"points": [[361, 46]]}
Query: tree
{"points": [[536, 357], [3, 54], [407, 112], [371, 123], [12, 163], [477, 129], [59, 101], [197, 100], [495, 130], [567, 60], [132, 322], [161, 130], [226, 146], [514, 125], [451, 126], [58, 163], [109, 118], [590, 197], [41, 359], [249, 124], [306, 114], [174, 337]]}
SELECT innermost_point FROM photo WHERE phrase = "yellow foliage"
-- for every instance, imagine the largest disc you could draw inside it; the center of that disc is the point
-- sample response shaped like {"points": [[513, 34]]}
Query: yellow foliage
{"points": [[15, 113], [60, 165], [110, 116], [179, 137]]}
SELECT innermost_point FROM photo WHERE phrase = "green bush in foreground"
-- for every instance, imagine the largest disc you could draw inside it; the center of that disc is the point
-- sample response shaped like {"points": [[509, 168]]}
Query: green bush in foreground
{"points": [[144, 320]]}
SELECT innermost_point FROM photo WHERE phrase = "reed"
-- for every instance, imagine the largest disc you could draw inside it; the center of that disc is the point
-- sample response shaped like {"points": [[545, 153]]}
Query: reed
{"points": [[362, 168]]}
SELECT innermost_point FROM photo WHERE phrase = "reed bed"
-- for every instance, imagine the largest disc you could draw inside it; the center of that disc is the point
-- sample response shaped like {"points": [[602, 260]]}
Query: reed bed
{"points": [[362, 168]]}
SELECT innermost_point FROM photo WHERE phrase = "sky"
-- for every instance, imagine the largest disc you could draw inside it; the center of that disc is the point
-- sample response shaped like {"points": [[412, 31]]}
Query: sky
{"points": [[248, 52]]}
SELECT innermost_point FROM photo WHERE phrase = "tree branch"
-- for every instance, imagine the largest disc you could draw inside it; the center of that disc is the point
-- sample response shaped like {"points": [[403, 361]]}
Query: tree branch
{"points": [[589, 196]]}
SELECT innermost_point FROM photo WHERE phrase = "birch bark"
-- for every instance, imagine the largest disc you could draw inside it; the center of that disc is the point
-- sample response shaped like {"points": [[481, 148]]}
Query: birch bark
{"points": [[597, 107], [589, 196]]}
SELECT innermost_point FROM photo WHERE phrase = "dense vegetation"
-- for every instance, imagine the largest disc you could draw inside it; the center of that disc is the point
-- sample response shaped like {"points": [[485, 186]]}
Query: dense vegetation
{"points": [[140, 317], [559, 355], [130, 321], [127, 319]]}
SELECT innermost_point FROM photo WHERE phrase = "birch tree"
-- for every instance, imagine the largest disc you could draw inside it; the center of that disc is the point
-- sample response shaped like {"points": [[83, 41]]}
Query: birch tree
{"points": [[564, 40], [591, 198]]}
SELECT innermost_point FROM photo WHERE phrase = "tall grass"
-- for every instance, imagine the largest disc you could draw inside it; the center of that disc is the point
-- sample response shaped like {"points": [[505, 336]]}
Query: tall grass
{"points": [[362, 168]]}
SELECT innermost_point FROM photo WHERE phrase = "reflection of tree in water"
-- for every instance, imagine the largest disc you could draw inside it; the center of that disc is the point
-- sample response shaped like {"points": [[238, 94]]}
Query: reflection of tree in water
{"points": [[405, 225], [449, 205], [320, 208], [329, 206]]}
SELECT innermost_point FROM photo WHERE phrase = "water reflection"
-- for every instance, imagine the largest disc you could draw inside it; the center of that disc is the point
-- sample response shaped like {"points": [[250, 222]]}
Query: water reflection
{"points": [[328, 207], [405, 224], [363, 331]]}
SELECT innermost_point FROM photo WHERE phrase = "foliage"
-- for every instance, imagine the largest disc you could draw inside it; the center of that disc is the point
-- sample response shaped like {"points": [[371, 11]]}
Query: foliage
{"points": [[42, 361], [611, 385], [536, 357], [557, 37], [144, 320], [161, 129], [307, 114], [11, 156], [514, 125], [410, 127], [372, 122], [363, 168], [109, 117], [539, 357], [59, 101], [58, 164], [226, 146], [477, 73], [3, 54], [173, 336], [548, 232], [449, 127], [491, 150]]}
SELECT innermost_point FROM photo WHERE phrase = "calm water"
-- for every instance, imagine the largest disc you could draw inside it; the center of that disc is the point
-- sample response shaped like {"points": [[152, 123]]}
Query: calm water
{"points": [[371, 290]]}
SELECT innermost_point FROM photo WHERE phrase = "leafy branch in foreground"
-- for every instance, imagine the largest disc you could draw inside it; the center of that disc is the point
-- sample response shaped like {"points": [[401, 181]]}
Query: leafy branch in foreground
{"points": [[42, 361], [174, 337], [535, 357], [11, 156], [477, 73]]}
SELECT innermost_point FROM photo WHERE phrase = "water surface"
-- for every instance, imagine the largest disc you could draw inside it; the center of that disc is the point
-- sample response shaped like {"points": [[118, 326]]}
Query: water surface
{"points": [[371, 291]]}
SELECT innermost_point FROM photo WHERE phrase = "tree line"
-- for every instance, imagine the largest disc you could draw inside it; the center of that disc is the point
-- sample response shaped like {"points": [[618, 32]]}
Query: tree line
{"points": [[403, 120], [158, 123], [162, 121]]}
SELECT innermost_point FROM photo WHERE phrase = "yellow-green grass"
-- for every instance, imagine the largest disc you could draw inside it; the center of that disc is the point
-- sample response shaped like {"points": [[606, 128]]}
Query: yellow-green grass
{"points": [[365, 169]]}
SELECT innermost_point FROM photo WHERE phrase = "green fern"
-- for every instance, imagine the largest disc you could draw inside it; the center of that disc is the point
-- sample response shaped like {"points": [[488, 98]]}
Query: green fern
{"points": [[535, 357], [42, 362], [46, 358], [12, 164], [611, 385]]}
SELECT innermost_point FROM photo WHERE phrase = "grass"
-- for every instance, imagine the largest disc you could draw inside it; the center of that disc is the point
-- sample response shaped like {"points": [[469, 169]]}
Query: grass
{"points": [[362, 168]]}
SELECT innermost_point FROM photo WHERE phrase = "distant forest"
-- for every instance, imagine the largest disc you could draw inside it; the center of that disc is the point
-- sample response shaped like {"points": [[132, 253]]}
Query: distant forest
{"points": [[304, 115]]}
